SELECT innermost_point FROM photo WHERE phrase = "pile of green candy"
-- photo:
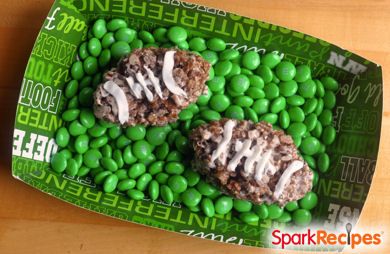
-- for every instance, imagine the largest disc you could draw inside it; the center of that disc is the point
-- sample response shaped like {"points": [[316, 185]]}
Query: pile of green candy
{"points": [[154, 161]]}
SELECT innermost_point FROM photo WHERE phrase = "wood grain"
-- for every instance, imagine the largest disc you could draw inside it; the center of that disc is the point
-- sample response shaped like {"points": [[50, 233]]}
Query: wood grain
{"points": [[32, 222]]}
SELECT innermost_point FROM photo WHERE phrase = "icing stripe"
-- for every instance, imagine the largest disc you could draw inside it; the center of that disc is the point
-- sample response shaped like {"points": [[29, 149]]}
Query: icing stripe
{"points": [[141, 80], [223, 145], [291, 169], [120, 99], [167, 74]]}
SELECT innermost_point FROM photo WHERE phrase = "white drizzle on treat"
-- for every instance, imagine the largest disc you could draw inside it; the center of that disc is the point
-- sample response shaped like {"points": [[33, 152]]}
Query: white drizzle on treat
{"points": [[120, 99], [257, 157], [167, 75], [291, 169]]}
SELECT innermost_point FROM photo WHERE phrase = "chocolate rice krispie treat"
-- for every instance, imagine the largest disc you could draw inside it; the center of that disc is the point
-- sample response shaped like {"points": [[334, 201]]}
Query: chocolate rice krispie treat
{"points": [[151, 86], [251, 161]]}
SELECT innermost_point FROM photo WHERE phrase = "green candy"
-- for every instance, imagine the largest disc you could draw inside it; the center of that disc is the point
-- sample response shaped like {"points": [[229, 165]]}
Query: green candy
{"points": [[210, 56], [229, 54], [125, 34], [126, 184], [104, 58], [288, 88], [119, 49], [204, 98], [310, 121], [285, 71], [146, 36], [310, 145], [261, 106], [301, 217], [71, 89], [115, 24], [261, 211], [205, 188], [97, 130], [326, 117], [58, 162], [108, 40], [108, 164], [191, 197], [76, 128], [83, 51], [162, 151], [174, 168], [81, 144], [296, 114], [91, 158], [250, 60], [210, 115], [136, 170], [156, 135], [141, 149], [249, 217], [292, 206], [223, 68], [295, 100], [320, 90], [309, 201], [320, 107], [207, 207], [162, 178], [62, 137], [143, 181], [177, 34], [223, 205], [197, 44], [310, 105], [137, 132], [285, 217], [296, 129], [255, 93], [94, 47], [87, 118], [77, 71], [83, 171], [284, 119], [271, 91], [86, 97], [235, 112], [239, 83], [101, 176], [265, 73], [271, 60], [323, 162], [251, 115], [274, 211], [256, 81], [242, 205], [303, 73], [99, 28], [117, 156], [166, 194], [216, 44], [99, 142], [330, 83], [243, 101], [278, 105], [192, 177], [216, 84], [135, 194], [156, 167], [153, 189], [329, 99], [177, 183], [110, 183], [328, 135], [160, 34], [121, 174], [185, 115], [219, 102], [307, 89], [317, 131]]}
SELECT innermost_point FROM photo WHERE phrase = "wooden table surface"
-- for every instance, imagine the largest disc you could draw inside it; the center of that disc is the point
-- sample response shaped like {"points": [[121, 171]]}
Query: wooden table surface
{"points": [[32, 222]]}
